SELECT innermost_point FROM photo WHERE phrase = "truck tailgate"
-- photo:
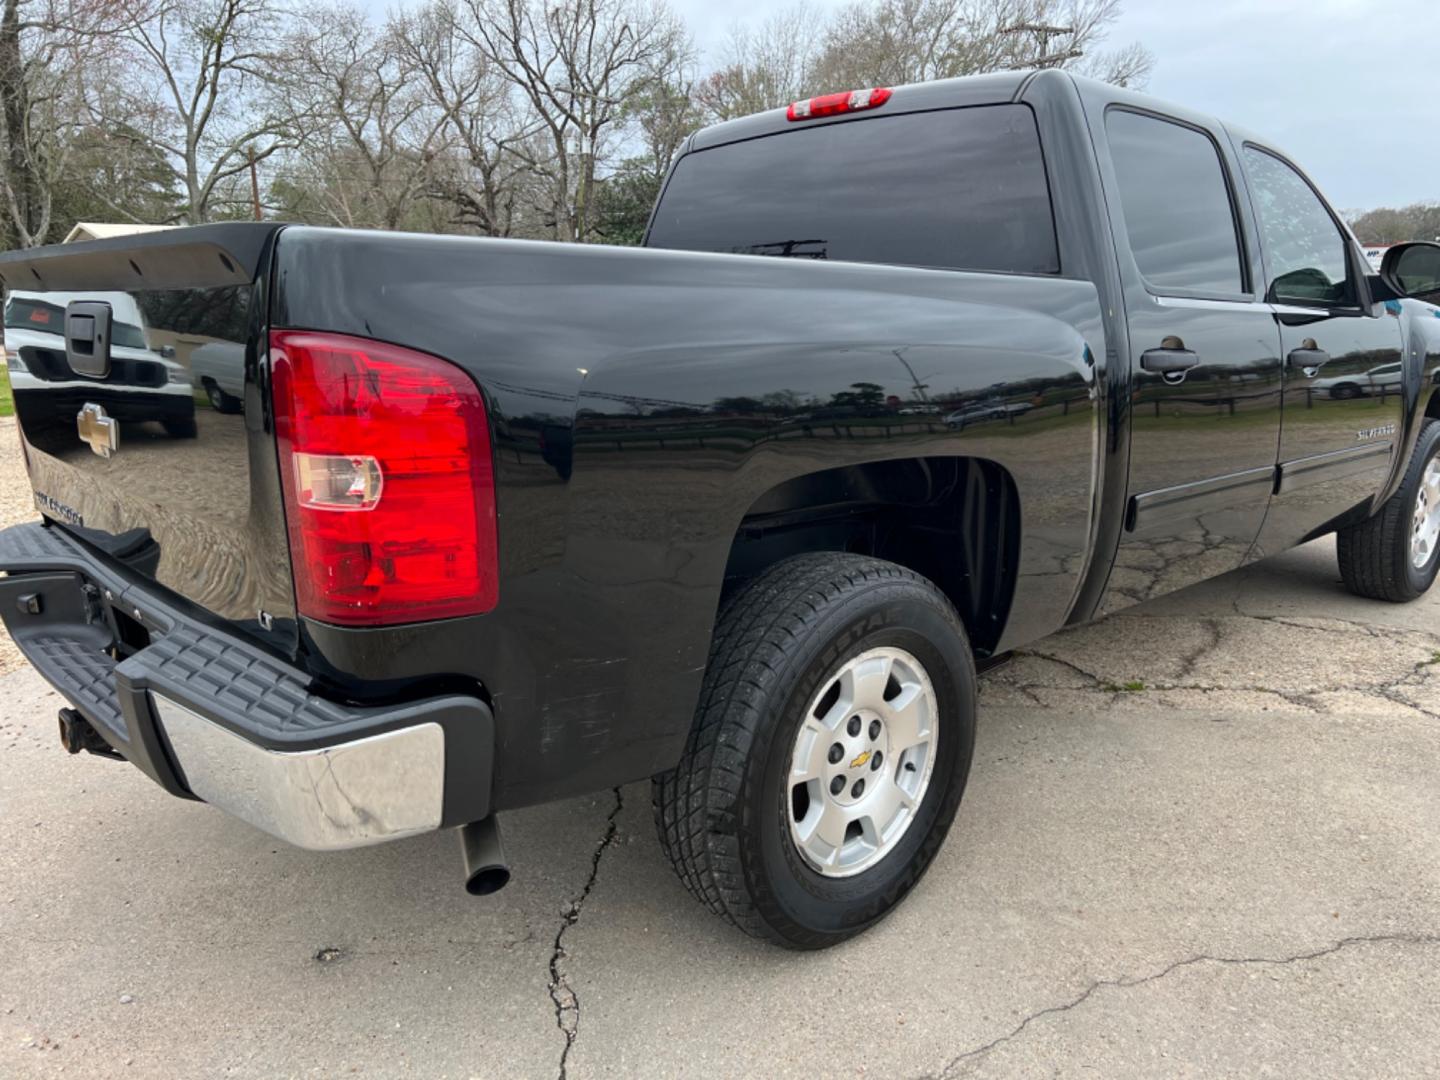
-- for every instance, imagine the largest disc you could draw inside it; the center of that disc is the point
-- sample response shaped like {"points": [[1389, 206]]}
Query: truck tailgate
{"points": [[144, 412]]}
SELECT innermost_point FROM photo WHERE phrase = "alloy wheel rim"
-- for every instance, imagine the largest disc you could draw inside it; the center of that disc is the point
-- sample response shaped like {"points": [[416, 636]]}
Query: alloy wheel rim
{"points": [[862, 762], [1425, 534]]}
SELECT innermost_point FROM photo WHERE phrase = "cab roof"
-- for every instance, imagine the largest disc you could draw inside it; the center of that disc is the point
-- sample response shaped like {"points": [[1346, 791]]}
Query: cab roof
{"points": [[992, 89]]}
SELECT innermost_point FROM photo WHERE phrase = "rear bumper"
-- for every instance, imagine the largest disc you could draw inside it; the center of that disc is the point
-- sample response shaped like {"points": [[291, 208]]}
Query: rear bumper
{"points": [[210, 715]]}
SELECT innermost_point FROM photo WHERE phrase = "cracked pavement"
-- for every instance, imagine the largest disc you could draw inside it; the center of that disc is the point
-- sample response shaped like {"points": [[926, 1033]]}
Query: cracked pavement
{"points": [[1201, 838]]}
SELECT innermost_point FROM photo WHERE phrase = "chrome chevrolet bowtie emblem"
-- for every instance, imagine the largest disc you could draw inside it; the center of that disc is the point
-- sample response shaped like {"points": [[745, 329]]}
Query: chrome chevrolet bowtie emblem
{"points": [[98, 430]]}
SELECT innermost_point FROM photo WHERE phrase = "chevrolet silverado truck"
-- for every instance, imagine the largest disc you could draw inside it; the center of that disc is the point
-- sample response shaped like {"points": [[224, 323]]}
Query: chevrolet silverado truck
{"points": [[481, 523]]}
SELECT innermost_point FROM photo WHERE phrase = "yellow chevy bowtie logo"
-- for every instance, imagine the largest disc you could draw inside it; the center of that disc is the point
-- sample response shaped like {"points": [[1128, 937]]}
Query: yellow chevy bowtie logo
{"points": [[864, 757]]}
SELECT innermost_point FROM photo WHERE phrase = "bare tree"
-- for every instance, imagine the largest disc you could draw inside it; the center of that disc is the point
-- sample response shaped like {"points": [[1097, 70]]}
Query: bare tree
{"points": [[1389, 225], [577, 65], [200, 90], [44, 46], [1129, 66], [481, 169], [903, 41], [762, 67], [663, 116], [29, 156], [536, 118], [365, 134]]}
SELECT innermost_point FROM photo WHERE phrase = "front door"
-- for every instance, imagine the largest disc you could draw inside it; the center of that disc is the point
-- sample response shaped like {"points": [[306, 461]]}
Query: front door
{"points": [[1205, 354], [1344, 372]]}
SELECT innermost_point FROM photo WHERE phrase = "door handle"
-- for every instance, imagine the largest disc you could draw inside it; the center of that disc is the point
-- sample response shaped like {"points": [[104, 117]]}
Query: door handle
{"points": [[1310, 359], [1169, 361]]}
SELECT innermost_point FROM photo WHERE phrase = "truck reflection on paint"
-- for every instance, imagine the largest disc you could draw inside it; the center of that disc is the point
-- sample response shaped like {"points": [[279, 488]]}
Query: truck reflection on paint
{"points": [[146, 383]]}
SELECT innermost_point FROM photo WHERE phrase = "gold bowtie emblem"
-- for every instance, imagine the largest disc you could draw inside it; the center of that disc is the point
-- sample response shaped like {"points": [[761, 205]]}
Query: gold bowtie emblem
{"points": [[864, 757]]}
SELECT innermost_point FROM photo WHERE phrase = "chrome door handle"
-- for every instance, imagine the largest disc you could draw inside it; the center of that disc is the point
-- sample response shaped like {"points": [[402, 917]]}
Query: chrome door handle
{"points": [[1307, 359], [1169, 361]]}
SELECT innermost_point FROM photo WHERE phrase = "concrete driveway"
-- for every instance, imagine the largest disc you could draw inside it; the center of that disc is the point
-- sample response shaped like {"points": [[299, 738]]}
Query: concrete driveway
{"points": [[1202, 838]]}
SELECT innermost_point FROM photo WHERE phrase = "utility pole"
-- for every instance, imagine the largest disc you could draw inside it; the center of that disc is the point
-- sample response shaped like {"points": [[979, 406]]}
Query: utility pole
{"points": [[1043, 34], [254, 182], [920, 387]]}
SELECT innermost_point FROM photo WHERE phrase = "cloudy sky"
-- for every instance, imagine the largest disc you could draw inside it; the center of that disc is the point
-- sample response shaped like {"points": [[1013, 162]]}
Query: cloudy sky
{"points": [[1347, 87]]}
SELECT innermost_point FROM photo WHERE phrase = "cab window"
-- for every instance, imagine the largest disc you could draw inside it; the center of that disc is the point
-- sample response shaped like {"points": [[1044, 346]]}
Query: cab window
{"points": [[1306, 254], [1176, 204]]}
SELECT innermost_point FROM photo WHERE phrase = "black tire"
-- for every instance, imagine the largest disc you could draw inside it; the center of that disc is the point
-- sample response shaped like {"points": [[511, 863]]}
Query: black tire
{"points": [[1345, 391], [1374, 554], [181, 429], [220, 401], [722, 813]]}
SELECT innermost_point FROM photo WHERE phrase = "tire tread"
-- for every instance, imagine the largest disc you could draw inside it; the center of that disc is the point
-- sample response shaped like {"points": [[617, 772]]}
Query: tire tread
{"points": [[696, 804], [1373, 553]]}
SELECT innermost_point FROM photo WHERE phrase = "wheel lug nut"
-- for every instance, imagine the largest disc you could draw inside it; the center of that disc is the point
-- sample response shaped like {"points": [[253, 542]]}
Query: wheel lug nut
{"points": [[858, 789], [874, 730], [836, 752], [837, 785], [854, 726], [875, 760]]}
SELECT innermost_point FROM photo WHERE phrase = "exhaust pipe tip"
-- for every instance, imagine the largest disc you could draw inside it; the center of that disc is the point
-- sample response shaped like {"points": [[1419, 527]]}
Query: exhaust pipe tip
{"points": [[487, 880], [73, 729], [486, 870]]}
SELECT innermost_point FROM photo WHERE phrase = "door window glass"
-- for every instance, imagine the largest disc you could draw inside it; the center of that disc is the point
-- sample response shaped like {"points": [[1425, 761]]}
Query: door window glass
{"points": [[1305, 252], [1176, 205]]}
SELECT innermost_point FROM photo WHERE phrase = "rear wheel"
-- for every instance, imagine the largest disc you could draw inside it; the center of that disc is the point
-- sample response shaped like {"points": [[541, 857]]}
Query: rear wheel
{"points": [[1395, 555], [829, 753]]}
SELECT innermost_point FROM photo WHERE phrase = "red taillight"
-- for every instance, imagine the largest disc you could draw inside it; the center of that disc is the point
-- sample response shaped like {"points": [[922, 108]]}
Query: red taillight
{"points": [[832, 104], [389, 485]]}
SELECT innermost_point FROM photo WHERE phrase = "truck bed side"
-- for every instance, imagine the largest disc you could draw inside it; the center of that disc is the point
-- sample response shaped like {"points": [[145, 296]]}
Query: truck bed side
{"points": [[645, 402]]}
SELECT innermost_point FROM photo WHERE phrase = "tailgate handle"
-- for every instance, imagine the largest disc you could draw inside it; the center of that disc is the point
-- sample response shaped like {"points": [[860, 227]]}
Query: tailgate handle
{"points": [[87, 338]]}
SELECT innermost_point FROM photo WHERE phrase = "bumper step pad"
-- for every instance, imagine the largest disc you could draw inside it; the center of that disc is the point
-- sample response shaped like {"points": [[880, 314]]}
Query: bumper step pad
{"points": [[57, 601], [87, 674]]}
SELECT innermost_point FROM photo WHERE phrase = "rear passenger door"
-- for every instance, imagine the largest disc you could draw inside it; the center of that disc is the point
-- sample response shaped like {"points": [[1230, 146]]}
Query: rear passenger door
{"points": [[1204, 350], [1344, 376]]}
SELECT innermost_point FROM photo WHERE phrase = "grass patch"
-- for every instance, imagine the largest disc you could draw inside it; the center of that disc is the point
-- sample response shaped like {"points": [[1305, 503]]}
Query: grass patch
{"points": [[1134, 686], [7, 399]]}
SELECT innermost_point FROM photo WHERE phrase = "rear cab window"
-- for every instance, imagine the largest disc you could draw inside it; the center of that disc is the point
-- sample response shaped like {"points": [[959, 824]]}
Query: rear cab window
{"points": [[959, 189]]}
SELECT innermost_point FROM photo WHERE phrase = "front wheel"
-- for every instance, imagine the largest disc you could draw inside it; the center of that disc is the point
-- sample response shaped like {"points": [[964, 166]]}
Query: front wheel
{"points": [[829, 753], [1395, 555]]}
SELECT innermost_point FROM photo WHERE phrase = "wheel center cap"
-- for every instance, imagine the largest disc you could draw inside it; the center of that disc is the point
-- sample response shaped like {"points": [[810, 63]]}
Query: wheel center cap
{"points": [[860, 766]]}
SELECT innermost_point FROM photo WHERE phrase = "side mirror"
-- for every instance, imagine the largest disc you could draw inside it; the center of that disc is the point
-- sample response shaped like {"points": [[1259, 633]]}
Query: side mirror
{"points": [[1412, 269]]}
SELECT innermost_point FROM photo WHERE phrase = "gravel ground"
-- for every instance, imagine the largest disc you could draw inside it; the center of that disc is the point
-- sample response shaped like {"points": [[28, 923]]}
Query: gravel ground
{"points": [[16, 505]]}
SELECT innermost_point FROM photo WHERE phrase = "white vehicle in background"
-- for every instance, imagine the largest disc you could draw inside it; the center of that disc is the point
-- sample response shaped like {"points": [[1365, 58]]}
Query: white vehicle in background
{"points": [[218, 368], [1375, 255], [144, 384], [1377, 382]]}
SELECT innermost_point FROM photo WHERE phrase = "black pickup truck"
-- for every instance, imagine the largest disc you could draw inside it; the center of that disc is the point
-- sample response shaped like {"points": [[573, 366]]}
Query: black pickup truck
{"points": [[465, 525]]}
